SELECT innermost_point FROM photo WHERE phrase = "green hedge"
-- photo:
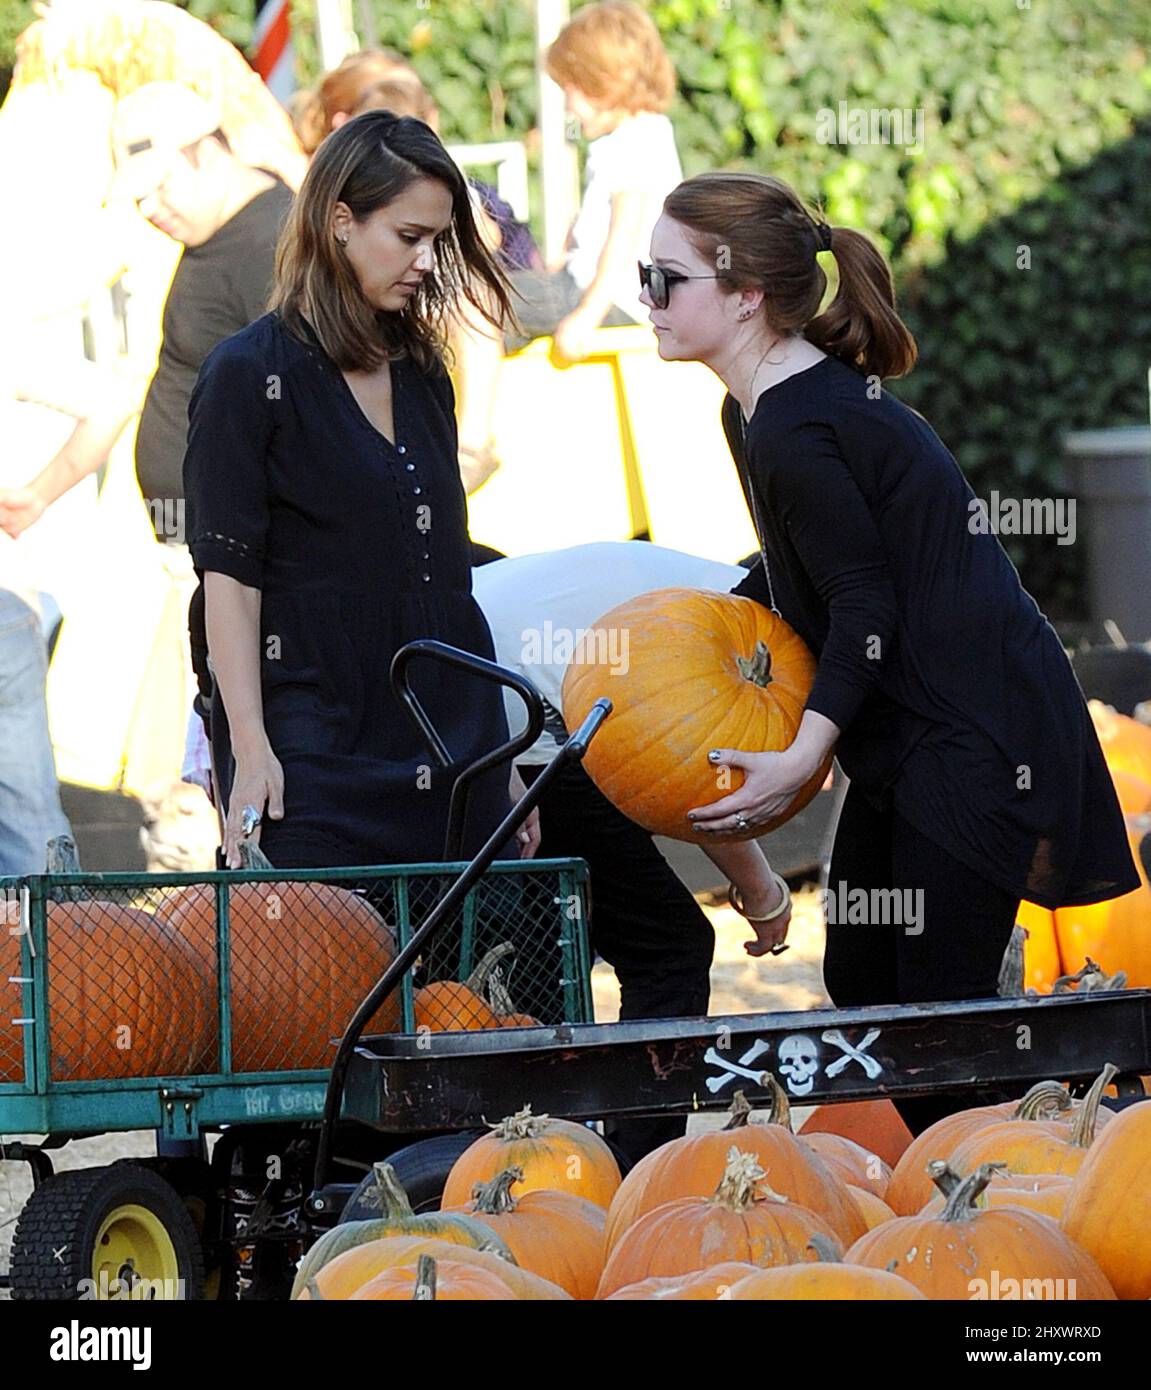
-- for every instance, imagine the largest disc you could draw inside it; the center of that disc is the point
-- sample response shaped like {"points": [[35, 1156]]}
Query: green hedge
{"points": [[1035, 135]]}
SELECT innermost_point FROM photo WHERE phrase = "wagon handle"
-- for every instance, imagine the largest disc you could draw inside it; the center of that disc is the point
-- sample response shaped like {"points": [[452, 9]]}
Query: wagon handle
{"points": [[572, 751], [487, 670]]}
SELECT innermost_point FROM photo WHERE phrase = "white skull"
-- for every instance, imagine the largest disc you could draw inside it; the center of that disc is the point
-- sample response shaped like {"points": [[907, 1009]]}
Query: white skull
{"points": [[799, 1061]]}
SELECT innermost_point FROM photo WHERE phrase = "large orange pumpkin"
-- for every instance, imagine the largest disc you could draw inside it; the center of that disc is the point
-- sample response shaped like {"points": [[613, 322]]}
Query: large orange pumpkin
{"points": [[827, 1278], [701, 671], [125, 995], [343, 1277], [911, 1186], [553, 1154], [741, 1220], [1125, 742], [876, 1124], [1032, 1144], [1041, 961], [303, 956], [446, 1281], [1108, 1209], [1116, 932], [1133, 792], [967, 1253], [552, 1234], [692, 1166]]}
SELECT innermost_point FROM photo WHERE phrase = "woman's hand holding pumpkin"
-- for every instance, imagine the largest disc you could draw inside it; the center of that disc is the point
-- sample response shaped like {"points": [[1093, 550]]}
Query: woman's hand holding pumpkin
{"points": [[770, 784]]}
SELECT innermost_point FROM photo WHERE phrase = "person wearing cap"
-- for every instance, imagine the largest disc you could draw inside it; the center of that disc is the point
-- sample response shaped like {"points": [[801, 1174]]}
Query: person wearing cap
{"points": [[328, 521]]}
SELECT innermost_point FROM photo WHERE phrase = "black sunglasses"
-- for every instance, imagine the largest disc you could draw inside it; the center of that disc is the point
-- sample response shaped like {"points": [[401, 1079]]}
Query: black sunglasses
{"points": [[658, 282]]}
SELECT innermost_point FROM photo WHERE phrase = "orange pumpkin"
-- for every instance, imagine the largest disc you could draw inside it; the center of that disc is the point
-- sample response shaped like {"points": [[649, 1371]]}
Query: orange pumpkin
{"points": [[343, 1277], [854, 1164], [692, 1166], [1116, 932], [125, 996], [828, 1277], [698, 1286], [703, 671], [554, 1154], [1031, 1144], [303, 956], [1108, 1209], [1045, 1193], [740, 1221], [967, 1253], [1126, 743], [446, 1281], [1041, 961], [876, 1124], [552, 1234], [1133, 792], [911, 1186], [873, 1209]]}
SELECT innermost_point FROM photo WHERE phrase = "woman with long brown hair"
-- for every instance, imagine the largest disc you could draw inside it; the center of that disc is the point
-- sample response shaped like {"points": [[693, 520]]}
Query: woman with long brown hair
{"points": [[327, 520], [976, 775]]}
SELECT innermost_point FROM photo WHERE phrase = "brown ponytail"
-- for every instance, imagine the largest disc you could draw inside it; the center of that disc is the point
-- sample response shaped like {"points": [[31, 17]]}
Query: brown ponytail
{"points": [[761, 236]]}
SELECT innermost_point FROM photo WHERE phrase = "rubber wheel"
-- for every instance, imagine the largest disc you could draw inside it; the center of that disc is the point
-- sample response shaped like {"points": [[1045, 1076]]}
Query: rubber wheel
{"points": [[108, 1226], [422, 1169]]}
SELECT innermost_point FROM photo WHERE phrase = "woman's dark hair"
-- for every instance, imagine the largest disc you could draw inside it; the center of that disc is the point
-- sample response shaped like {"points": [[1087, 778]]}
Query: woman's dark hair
{"points": [[761, 236], [366, 164]]}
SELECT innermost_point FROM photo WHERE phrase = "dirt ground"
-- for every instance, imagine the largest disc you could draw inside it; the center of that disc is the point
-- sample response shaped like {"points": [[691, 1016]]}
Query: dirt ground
{"points": [[739, 984]]}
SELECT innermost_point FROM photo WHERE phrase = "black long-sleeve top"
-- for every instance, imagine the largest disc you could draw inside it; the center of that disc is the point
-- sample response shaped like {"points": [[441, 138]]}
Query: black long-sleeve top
{"points": [[957, 702]]}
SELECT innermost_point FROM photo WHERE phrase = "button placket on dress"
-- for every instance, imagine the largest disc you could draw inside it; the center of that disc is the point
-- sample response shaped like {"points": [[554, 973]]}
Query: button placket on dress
{"points": [[416, 489]]}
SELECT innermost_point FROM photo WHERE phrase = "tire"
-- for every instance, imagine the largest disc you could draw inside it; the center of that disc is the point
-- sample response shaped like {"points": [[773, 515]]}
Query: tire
{"points": [[422, 1169], [127, 1210]]}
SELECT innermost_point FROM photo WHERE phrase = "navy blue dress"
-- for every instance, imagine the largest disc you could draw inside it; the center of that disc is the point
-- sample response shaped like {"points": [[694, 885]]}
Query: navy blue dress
{"points": [[358, 545], [957, 702]]}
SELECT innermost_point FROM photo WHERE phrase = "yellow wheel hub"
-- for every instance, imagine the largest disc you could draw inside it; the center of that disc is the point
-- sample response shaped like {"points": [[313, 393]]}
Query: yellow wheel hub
{"points": [[133, 1245]]}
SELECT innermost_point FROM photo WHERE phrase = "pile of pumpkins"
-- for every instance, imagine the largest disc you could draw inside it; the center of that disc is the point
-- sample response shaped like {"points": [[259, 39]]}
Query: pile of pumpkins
{"points": [[1116, 933], [132, 989], [1044, 1197]]}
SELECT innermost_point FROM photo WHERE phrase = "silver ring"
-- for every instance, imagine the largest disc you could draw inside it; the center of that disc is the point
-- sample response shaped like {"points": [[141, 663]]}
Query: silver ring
{"points": [[741, 821], [249, 819]]}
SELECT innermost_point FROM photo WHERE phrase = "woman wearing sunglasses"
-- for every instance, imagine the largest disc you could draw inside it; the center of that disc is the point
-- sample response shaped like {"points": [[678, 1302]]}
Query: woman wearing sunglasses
{"points": [[976, 775]]}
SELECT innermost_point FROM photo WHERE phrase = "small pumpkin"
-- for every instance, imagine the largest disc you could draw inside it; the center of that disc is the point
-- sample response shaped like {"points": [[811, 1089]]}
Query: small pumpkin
{"points": [[126, 998], [446, 1006], [742, 1220], [552, 1234], [855, 1165], [873, 1209], [967, 1253], [303, 956], [692, 1166], [555, 1154], [443, 1281], [876, 1124], [704, 671], [1032, 1144], [697, 1286], [344, 1276], [828, 1277], [1108, 1210], [396, 1219]]}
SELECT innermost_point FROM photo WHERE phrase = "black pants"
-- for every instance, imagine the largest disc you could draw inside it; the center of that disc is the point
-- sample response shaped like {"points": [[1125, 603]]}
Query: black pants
{"points": [[956, 953], [644, 922]]}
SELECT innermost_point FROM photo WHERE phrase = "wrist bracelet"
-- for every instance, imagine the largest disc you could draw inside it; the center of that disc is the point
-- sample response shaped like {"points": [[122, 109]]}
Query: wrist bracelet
{"points": [[735, 897]]}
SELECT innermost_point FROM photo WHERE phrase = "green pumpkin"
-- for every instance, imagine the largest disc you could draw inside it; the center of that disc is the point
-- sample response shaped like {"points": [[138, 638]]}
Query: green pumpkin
{"points": [[396, 1219]]}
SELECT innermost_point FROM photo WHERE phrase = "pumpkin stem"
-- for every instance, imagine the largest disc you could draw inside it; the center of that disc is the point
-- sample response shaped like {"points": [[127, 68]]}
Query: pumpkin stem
{"points": [[425, 1289], [522, 1125], [779, 1112], [1086, 972], [961, 1198], [1044, 1101], [1011, 970], [737, 1188], [740, 1112], [943, 1176], [314, 1290], [253, 857], [1087, 1116], [827, 1251], [388, 1194], [757, 668], [495, 1198], [63, 859], [478, 979]]}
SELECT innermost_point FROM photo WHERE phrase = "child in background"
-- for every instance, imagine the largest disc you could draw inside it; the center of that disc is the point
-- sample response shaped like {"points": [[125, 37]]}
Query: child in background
{"points": [[618, 81]]}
